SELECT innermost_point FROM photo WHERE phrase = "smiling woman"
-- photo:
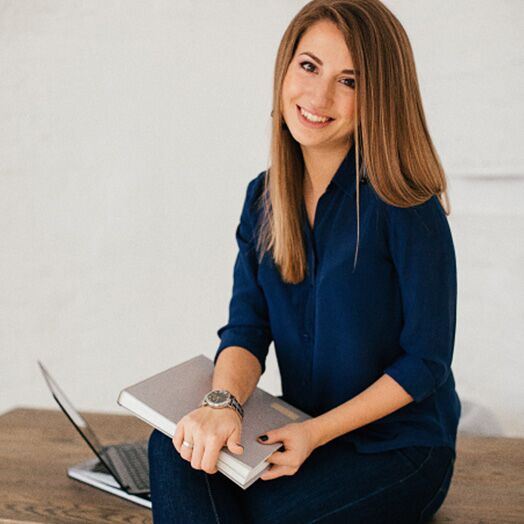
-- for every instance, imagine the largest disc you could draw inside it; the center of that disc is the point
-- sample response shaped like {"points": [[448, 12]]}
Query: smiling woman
{"points": [[352, 61], [319, 93], [364, 338]]}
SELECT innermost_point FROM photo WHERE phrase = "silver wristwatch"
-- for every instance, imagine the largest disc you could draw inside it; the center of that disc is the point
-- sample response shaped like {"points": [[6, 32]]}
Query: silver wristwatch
{"points": [[222, 398]]}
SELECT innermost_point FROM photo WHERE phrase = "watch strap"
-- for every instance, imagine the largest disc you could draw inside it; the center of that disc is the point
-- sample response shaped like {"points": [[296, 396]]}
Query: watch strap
{"points": [[233, 403]]}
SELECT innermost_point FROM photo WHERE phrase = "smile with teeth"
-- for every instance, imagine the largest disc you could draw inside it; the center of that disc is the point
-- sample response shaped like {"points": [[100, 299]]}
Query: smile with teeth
{"points": [[313, 118]]}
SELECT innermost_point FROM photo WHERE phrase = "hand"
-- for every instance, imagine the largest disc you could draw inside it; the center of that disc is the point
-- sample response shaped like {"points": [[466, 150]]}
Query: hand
{"points": [[208, 429], [298, 444]]}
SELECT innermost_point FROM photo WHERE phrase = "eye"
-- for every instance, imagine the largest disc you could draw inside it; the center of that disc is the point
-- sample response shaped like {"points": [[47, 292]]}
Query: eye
{"points": [[306, 67], [351, 82], [306, 63]]}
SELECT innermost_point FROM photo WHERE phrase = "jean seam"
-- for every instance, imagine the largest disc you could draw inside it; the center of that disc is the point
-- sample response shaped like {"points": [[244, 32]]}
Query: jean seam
{"points": [[375, 492], [211, 498], [439, 490]]}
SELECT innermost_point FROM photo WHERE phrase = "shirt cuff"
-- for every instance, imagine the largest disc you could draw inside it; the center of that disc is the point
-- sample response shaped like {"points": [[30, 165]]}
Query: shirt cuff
{"points": [[413, 375], [253, 340]]}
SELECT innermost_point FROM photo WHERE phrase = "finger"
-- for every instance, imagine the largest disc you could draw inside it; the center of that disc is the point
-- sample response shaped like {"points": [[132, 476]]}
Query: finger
{"points": [[186, 452], [276, 435], [281, 458], [196, 456], [277, 471], [178, 437], [234, 443], [210, 459]]}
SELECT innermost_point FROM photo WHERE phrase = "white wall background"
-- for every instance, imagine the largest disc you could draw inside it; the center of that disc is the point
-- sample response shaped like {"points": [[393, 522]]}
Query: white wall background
{"points": [[128, 133]]}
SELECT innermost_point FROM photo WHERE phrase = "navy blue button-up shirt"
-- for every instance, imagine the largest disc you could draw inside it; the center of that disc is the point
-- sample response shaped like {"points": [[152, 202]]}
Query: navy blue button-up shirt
{"points": [[340, 329]]}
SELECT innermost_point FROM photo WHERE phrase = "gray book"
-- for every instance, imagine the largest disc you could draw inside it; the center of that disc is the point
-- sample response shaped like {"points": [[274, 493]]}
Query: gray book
{"points": [[163, 399]]}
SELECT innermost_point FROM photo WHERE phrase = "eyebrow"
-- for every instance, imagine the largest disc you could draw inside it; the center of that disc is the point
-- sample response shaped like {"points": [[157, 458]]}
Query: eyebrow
{"points": [[348, 71]]}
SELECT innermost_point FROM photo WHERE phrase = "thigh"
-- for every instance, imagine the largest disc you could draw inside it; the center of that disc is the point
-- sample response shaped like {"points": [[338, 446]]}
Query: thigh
{"points": [[336, 484], [182, 494]]}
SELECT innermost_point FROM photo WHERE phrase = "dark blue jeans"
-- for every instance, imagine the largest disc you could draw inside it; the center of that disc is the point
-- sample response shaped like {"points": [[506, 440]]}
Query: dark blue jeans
{"points": [[336, 484]]}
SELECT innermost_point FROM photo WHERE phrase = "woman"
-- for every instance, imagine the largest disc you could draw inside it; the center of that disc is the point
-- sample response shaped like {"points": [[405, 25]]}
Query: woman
{"points": [[346, 262]]}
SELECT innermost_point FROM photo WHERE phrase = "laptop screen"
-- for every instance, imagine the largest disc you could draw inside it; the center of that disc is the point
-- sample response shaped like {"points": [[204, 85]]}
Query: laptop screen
{"points": [[75, 417]]}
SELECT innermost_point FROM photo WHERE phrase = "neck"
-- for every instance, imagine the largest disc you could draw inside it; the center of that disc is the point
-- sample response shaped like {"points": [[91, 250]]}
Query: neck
{"points": [[321, 166]]}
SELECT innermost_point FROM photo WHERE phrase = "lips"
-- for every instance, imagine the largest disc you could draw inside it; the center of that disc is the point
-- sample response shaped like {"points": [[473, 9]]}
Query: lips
{"points": [[313, 112], [309, 124]]}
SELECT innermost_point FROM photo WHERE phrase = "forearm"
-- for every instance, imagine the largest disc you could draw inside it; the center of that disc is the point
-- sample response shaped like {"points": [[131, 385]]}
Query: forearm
{"points": [[380, 399], [238, 371]]}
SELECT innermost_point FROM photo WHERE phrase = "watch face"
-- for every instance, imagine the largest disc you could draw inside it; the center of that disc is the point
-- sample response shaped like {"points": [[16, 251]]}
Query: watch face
{"points": [[218, 397]]}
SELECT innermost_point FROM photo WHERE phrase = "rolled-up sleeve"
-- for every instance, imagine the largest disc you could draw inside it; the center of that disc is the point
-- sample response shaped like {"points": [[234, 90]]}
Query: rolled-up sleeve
{"points": [[248, 324], [423, 254]]}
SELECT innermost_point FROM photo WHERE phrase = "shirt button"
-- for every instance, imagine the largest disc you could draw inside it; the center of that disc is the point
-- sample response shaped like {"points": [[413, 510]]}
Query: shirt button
{"points": [[306, 336]]}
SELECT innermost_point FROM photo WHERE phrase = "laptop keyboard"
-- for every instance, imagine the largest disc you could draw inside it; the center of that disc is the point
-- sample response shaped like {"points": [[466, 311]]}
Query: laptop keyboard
{"points": [[99, 467], [137, 464]]}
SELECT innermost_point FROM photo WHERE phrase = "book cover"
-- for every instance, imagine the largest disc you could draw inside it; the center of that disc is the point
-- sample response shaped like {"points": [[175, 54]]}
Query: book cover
{"points": [[163, 399]]}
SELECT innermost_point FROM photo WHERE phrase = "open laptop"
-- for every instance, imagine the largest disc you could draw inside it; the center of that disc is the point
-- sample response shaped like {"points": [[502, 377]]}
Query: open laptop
{"points": [[127, 462]]}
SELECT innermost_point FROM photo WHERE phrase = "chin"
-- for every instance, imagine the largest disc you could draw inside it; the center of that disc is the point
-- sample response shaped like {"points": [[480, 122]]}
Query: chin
{"points": [[314, 144]]}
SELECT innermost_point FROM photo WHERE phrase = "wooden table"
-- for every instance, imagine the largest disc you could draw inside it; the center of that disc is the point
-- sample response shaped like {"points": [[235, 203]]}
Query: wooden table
{"points": [[36, 446]]}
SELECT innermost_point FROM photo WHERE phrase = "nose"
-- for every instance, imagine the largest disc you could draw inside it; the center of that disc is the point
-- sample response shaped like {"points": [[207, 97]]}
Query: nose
{"points": [[321, 96]]}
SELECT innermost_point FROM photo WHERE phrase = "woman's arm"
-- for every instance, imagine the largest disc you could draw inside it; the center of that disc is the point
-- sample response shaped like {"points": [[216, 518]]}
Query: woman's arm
{"points": [[238, 371], [380, 399], [248, 327], [422, 251]]}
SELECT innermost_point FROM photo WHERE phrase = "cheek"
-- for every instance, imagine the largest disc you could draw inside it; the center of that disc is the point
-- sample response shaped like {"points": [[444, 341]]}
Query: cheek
{"points": [[348, 108], [291, 87]]}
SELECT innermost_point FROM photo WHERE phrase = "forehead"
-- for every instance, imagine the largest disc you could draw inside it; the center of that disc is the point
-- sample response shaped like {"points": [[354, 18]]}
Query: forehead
{"points": [[325, 40]]}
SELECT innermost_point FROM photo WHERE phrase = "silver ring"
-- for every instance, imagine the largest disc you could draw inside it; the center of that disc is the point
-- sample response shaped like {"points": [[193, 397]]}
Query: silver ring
{"points": [[187, 444]]}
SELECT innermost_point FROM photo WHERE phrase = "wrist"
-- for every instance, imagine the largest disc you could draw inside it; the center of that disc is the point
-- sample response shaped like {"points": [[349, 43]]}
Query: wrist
{"points": [[222, 398], [234, 391], [221, 410], [315, 434]]}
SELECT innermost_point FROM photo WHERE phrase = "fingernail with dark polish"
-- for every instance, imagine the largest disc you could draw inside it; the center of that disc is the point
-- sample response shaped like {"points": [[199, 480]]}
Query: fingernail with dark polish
{"points": [[263, 438]]}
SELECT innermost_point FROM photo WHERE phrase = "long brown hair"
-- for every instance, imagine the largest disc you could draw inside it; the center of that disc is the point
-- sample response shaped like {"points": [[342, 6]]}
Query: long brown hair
{"points": [[391, 133]]}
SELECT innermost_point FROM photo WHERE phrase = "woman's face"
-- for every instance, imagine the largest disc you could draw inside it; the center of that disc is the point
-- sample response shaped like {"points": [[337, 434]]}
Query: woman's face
{"points": [[321, 81]]}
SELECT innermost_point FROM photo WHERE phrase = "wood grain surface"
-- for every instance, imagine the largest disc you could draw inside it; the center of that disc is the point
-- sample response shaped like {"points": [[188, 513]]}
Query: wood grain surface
{"points": [[37, 446]]}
